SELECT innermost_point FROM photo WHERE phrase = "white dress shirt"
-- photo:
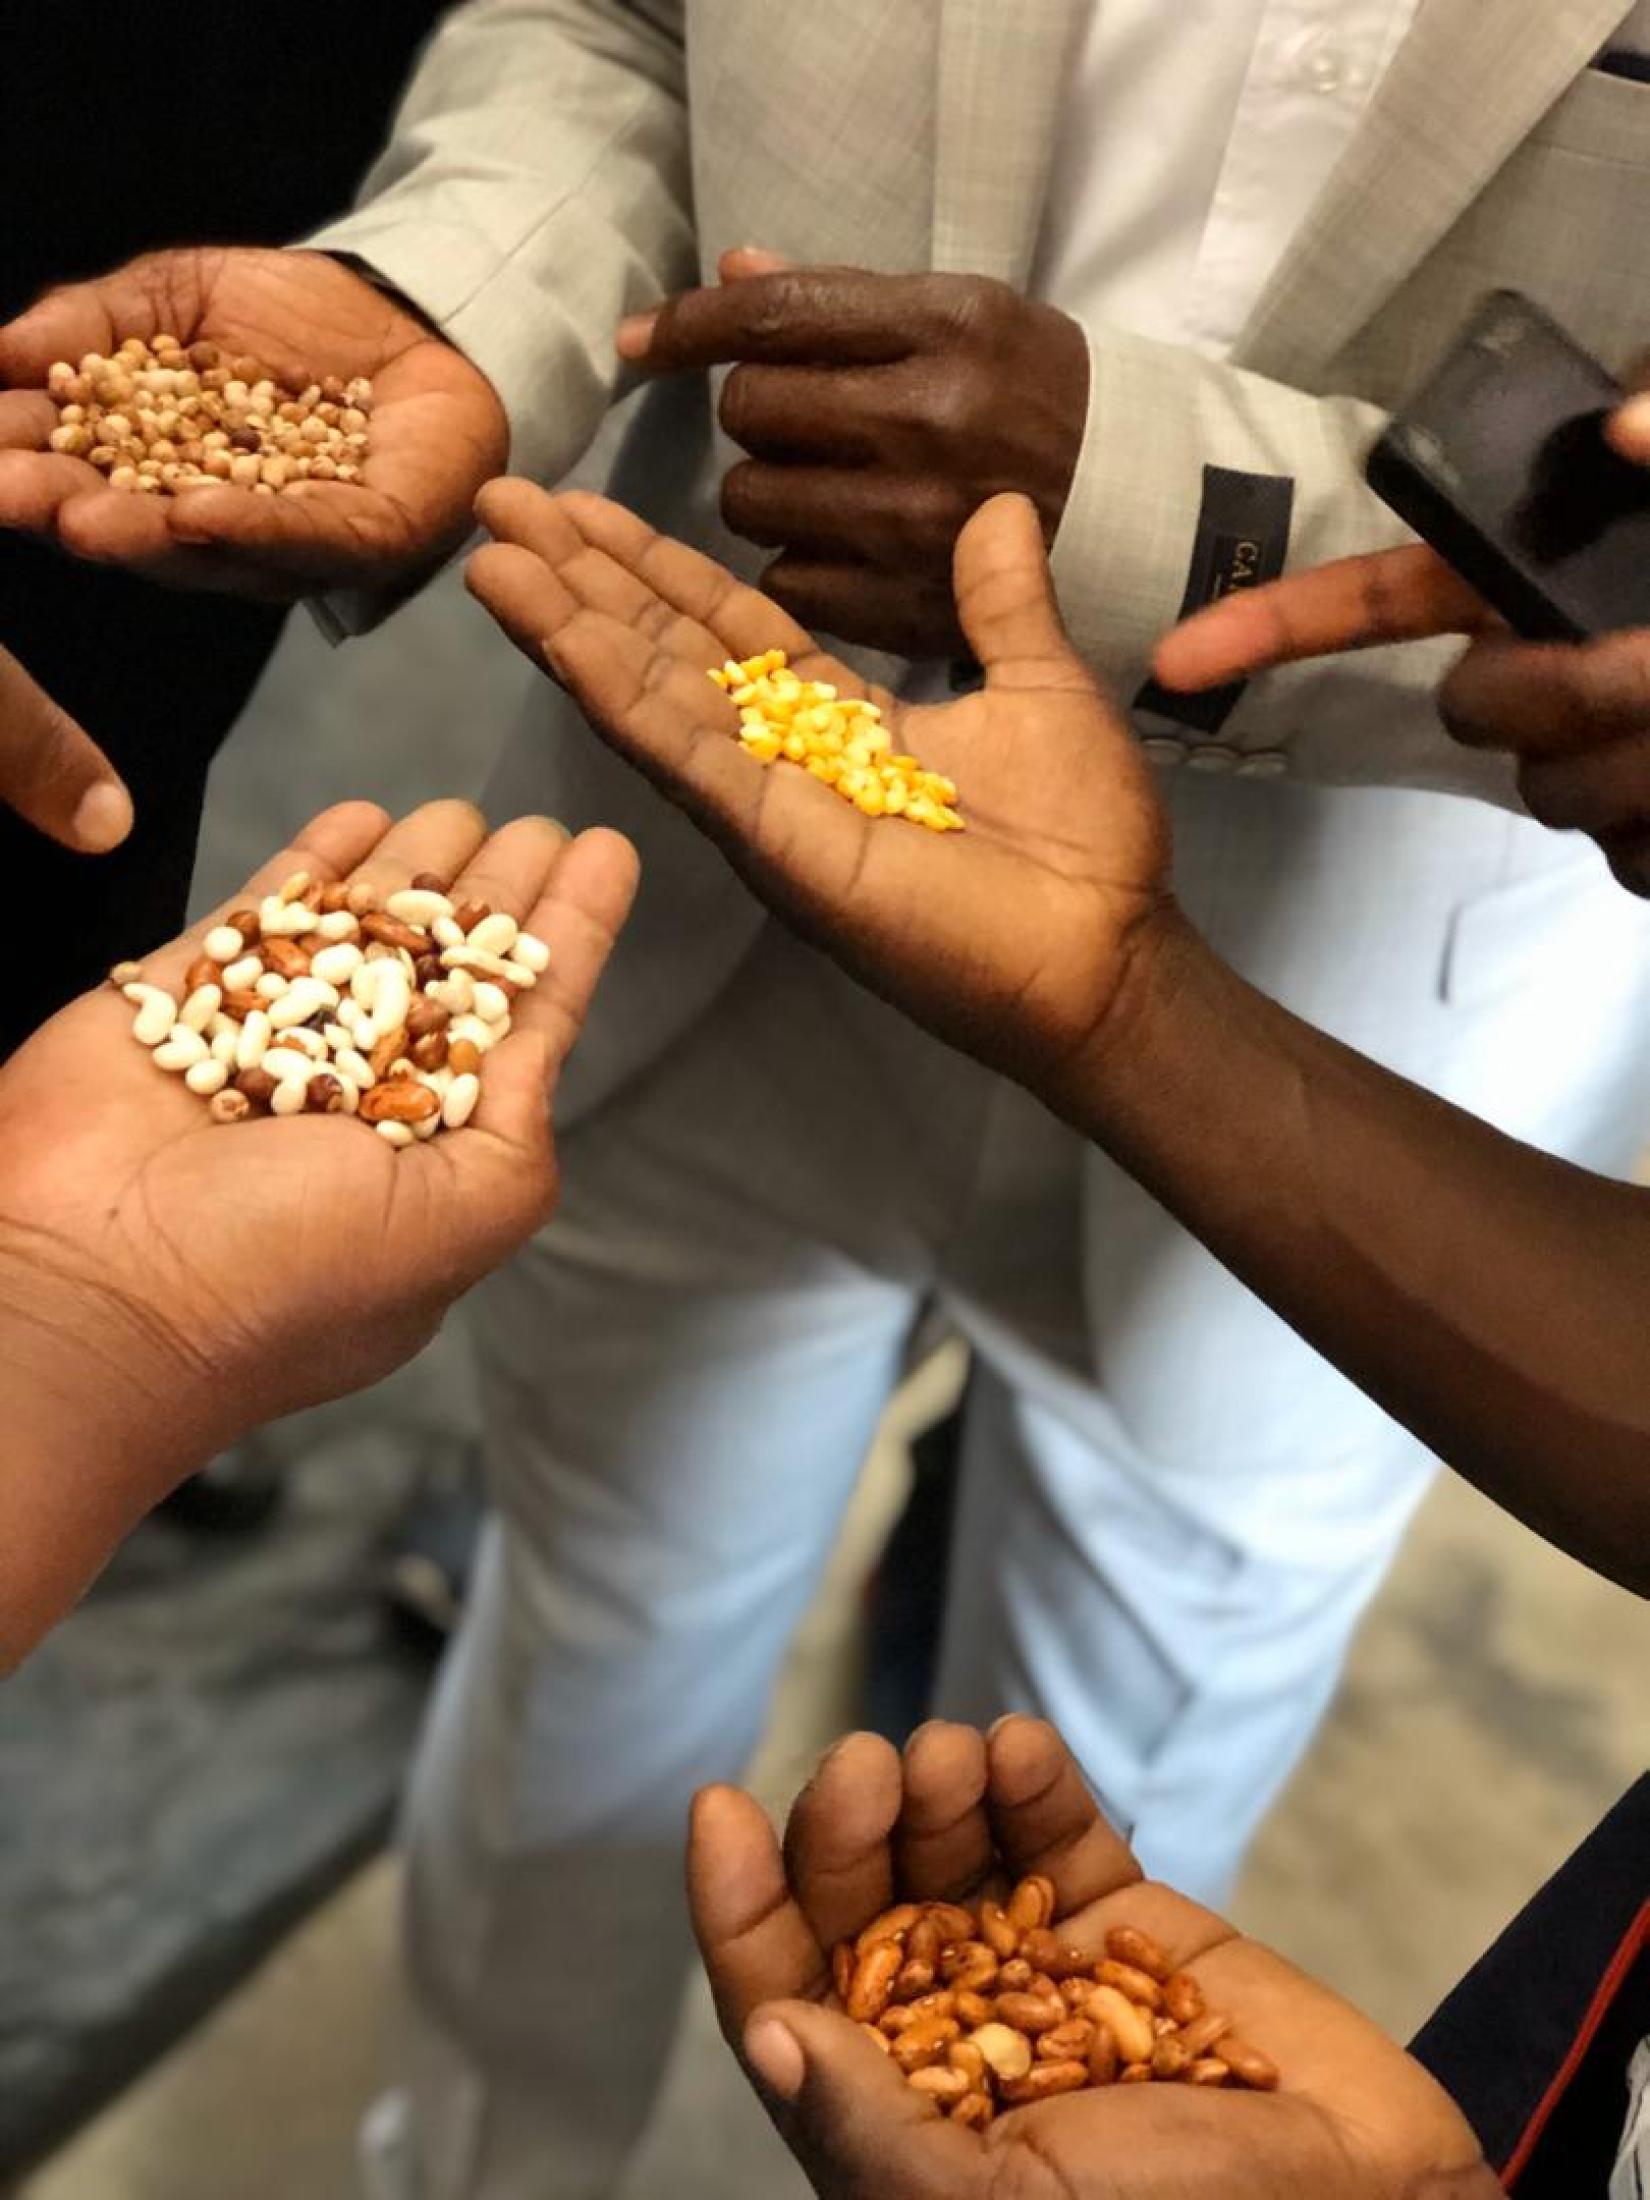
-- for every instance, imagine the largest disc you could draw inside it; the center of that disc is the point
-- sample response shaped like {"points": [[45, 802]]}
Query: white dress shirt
{"points": [[1197, 135]]}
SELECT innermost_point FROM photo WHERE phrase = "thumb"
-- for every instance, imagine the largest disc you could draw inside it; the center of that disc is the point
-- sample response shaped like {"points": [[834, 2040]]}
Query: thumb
{"points": [[54, 775], [849, 2117], [1006, 601], [1628, 430]]}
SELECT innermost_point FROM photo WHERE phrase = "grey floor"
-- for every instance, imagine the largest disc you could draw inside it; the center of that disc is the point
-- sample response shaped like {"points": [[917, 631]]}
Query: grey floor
{"points": [[1493, 1708]]}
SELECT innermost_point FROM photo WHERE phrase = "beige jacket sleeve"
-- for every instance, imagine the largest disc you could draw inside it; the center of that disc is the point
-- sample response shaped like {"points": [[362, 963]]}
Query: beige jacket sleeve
{"points": [[537, 188], [1158, 416]]}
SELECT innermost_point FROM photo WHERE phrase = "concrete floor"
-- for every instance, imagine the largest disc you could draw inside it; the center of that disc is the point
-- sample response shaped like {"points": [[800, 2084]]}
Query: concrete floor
{"points": [[1494, 1707]]}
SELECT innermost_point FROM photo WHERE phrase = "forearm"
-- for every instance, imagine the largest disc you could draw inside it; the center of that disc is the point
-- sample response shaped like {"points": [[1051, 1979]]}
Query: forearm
{"points": [[535, 190], [102, 1421], [1494, 1300]]}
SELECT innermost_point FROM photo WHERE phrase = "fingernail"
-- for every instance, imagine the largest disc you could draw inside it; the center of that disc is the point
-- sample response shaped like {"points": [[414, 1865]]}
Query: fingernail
{"points": [[1630, 427], [103, 817], [775, 2054], [636, 334]]}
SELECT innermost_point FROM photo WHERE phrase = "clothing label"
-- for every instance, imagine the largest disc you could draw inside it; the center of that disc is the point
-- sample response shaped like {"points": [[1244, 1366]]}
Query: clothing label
{"points": [[1242, 542]]}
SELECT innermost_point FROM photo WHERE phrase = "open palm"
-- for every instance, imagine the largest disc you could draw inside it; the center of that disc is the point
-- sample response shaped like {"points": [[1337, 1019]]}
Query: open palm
{"points": [[208, 1277], [1353, 2119], [438, 431], [1012, 939]]}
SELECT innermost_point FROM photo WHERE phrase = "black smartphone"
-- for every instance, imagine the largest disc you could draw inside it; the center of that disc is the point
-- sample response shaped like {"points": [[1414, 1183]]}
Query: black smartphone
{"points": [[1500, 463]]}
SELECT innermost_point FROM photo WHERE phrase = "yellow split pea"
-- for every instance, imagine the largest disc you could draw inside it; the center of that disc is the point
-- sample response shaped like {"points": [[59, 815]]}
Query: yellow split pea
{"points": [[840, 741]]}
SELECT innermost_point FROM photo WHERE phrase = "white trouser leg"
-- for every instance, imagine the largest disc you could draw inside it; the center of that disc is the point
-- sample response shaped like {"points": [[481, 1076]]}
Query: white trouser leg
{"points": [[680, 1390]]}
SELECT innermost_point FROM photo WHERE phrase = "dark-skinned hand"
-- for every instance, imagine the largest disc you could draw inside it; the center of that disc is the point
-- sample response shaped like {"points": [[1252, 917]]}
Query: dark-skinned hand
{"points": [[438, 429], [879, 412], [1013, 939], [964, 1814], [52, 773], [1575, 716]]}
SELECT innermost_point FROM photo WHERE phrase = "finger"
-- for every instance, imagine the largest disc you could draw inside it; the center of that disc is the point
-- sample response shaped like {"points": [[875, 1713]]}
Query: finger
{"points": [[1603, 790], [54, 775], [752, 1933], [37, 487], [836, 1839], [745, 260], [579, 914], [315, 534], [510, 869], [1628, 855], [830, 513], [943, 1844], [743, 620], [904, 614], [79, 318], [1550, 698], [440, 837], [329, 847], [850, 2118], [798, 415], [825, 315], [1046, 1820], [27, 418], [1628, 430], [1006, 602], [1401, 595]]}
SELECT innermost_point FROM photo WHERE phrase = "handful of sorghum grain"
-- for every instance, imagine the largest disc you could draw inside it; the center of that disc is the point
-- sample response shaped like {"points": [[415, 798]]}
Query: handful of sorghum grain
{"points": [[841, 741], [159, 418], [986, 2008], [322, 1002]]}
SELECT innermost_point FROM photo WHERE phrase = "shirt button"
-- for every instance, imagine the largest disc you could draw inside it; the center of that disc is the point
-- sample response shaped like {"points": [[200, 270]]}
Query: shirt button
{"points": [[1211, 757], [1164, 749], [1324, 70], [1264, 764]]}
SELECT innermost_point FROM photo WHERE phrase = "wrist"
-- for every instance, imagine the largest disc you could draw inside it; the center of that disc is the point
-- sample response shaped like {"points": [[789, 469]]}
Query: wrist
{"points": [[1165, 969], [104, 1417]]}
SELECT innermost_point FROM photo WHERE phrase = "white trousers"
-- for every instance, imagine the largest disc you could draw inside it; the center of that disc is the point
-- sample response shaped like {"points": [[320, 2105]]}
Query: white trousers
{"points": [[1172, 1513]]}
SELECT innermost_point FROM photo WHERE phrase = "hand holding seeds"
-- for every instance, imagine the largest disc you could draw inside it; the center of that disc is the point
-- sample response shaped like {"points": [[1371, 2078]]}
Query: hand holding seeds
{"points": [[1063, 835], [954, 1981], [263, 423], [169, 1280]]}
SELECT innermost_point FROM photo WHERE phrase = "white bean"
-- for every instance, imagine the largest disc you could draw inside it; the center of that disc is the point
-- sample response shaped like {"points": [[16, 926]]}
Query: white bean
{"points": [[253, 1042], [495, 935], [446, 933], [480, 1035], [182, 1050], [226, 1045], [223, 944], [353, 1067], [200, 1008], [533, 952], [303, 998], [492, 1002], [336, 965], [271, 986], [207, 1077], [239, 976], [157, 1012], [394, 1134], [339, 924], [291, 1095], [286, 1064], [416, 905], [460, 1103], [363, 984]]}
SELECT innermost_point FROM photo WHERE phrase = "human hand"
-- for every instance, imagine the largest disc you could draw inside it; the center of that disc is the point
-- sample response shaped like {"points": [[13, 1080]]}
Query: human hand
{"points": [[1575, 716], [167, 1283], [879, 412], [1014, 939], [1353, 2119], [54, 775], [438, 430]]}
